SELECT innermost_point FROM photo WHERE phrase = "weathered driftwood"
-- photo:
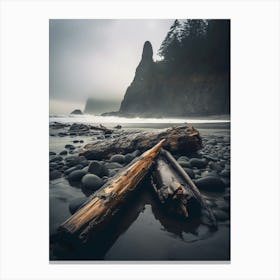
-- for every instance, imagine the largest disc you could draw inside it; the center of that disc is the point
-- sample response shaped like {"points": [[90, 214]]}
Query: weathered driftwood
{"points": [[172, 190], [184, 138], [102, 205], [170, 173], [102, 128]]}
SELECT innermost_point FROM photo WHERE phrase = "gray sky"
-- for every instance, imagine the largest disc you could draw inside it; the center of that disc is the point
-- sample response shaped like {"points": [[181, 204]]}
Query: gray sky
{"points": [[97, 58]]}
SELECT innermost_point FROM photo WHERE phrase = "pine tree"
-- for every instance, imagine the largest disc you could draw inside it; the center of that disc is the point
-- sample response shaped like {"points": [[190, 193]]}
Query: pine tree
{"points": [[171, 44]]}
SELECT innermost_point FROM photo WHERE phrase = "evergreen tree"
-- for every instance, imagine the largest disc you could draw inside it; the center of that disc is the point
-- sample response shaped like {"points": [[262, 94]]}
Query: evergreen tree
{"points": [[171, 44]]}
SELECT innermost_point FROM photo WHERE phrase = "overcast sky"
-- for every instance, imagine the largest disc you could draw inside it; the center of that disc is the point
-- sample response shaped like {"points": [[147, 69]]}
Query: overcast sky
{"points": [[97, 58]]}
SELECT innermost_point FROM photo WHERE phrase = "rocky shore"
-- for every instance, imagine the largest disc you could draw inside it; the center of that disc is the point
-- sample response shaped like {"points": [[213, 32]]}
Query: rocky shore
{"points": [[73, 177]]}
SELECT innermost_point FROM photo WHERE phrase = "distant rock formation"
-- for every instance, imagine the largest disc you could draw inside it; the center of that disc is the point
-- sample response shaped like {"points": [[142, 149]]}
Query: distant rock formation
{"points": [[77, 112], [156, 92]]}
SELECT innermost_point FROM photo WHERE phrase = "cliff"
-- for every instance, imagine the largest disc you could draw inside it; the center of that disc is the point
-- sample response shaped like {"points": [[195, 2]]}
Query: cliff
{"points": [[157, 91]]}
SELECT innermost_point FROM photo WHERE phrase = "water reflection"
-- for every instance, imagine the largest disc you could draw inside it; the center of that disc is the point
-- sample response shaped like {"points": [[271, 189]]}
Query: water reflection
{"points": [[143, 201]]}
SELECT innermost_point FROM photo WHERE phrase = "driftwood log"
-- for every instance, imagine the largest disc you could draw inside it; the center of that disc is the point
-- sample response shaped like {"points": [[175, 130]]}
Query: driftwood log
{"points": [[178, 174], [103, 204], [178, 139], [172, 190]]}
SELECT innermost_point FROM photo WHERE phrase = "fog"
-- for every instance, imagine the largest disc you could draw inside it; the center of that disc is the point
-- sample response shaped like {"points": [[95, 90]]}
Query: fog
{"points": [[97, 58]]}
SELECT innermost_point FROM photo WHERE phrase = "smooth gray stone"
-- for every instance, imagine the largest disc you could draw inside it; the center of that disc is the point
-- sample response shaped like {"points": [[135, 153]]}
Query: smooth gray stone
{"points": [[189, 172], [56, 159], [199, 163], [215, 166], [223, 205], [52, 153], [184, 163], [92, 182], [128, 158], [113, 165], [210, 203], [210, 183], [225, 173], [183, 158], [77, 175], [211, 142], [136, 153], [97, 168], [64, 152], [221, 215], [69, 146], [112, 172], [209, 173], [209, 157], [76, 203], [71, 169], [117, 158], [55, 174]]}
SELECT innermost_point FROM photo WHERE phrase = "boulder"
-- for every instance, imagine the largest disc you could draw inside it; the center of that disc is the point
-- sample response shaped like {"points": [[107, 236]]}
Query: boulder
{"points": [[210, 183], [77, 112], [92, 182], [117, 158], [98, 169], [199, 163], [76, 175]]}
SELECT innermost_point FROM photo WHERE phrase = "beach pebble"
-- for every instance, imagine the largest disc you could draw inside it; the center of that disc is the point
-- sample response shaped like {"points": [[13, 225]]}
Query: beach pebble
{"points": [[220, 214], [183, 158], [184, 163], [74, 160], [76, 141], [69, 146], [117, 158], [56, 159], [211, 142], [190, 172], [209, 173], [55, 174], [210, 183], [113, 165], [210, 203], [128, 158], [225, 173], [226, 139], [52, 153], [76, 175], [223, 205], [215, 166], [136, 153], [112, 172], [210, 157], [97, 168], [92, 182], [63, 153], [71, 169], [199, 163], [76, 203]]}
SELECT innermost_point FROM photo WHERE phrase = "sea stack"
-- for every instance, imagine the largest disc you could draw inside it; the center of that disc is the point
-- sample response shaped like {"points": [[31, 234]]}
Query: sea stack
{"points": [[137, 93]]}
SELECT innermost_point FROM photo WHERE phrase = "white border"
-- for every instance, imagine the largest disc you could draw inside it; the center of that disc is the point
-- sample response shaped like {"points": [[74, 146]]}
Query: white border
{"points": [[255, 138]]}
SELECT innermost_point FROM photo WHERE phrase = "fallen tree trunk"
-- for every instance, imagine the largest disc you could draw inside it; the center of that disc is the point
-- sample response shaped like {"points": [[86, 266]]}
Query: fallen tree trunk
{"points": [[103, 204], [169, 178], [178, 139], [172, 190]]}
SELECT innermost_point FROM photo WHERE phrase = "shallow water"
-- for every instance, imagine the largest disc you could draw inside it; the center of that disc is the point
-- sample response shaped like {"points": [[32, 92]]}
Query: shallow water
{"points": [[143, 230]]}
